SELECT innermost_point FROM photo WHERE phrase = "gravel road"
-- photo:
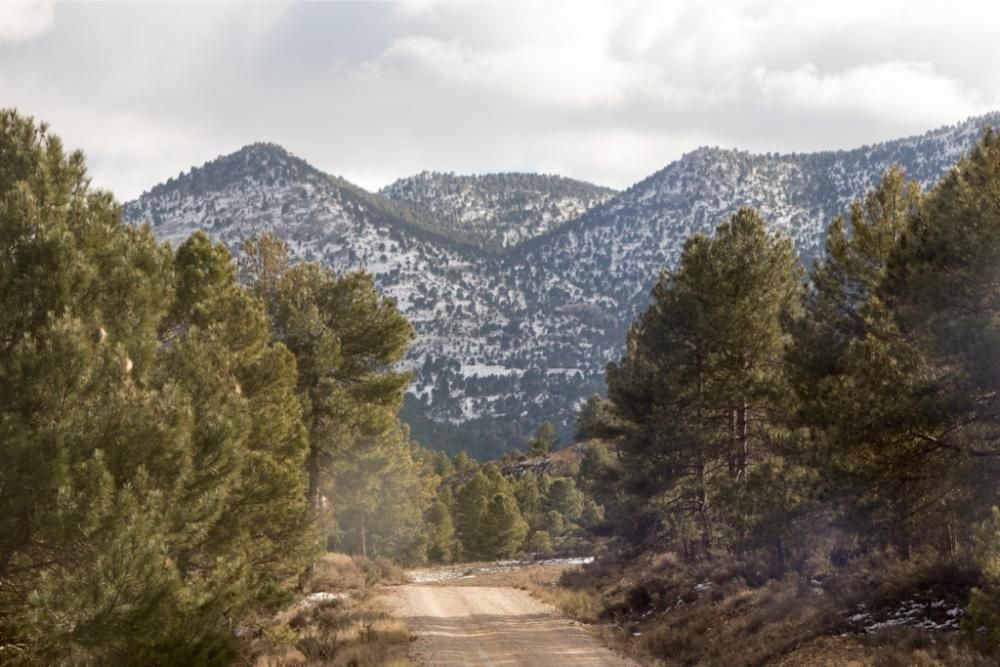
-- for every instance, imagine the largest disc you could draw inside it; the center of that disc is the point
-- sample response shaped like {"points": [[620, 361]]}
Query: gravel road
{"points": [[471, 625]]}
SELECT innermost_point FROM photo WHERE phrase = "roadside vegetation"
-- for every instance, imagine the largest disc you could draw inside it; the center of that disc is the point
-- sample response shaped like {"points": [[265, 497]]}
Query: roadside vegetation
{"points": [[182, 436], [803, 466], [339, 620]]}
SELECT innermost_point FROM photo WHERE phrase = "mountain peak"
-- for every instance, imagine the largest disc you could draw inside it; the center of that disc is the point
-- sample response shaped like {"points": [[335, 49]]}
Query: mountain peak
{"points": [[264, 151], [259, 163]]}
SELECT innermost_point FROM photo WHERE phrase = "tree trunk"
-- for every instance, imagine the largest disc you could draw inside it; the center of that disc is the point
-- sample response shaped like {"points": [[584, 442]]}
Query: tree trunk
{"points": [[733, 468], [364, 545], [312, 493], [702, 500], [742, 442], [779, 558]]}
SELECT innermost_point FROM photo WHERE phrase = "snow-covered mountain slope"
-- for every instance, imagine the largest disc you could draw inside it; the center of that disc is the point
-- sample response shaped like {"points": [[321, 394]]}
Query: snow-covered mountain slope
{"points": [[508, 339], [496, 211], [608, 258]]}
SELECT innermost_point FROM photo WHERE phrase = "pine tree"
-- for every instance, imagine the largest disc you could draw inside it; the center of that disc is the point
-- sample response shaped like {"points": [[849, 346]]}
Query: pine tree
{"points": [[463, 462], [544, 440], [504, 529], [857, 373], [527, 494], [346, 339], [595, 420], [248, 441], [539, 543], [151, 496], [563, 497], [379, 495], [440, 532], [471, 505], [702, 378], [941, 284]]}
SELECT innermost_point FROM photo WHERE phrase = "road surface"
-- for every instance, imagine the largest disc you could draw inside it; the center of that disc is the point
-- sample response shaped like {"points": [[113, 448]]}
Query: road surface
{"points": [[472, 625]]}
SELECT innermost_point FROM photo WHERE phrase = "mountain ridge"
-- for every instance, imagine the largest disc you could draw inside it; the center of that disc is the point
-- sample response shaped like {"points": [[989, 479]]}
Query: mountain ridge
{"points": [[497, 211], [506, 340]]}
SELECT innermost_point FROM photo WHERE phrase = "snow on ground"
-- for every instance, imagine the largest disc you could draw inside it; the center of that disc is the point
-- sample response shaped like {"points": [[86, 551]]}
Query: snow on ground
{"points": [[488, 370], [916, 612], [452, 572], [318, 598], [325, 597]]}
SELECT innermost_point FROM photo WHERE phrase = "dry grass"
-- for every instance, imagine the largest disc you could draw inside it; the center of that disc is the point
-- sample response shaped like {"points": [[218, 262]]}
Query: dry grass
{"points": [[341, 633], [335, 572], [354, 630], [340, 572], [541, 581], [720, 612]]}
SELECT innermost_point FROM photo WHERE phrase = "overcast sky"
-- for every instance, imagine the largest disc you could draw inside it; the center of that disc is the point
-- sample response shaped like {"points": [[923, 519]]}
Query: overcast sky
{"points": [[606, 92]]}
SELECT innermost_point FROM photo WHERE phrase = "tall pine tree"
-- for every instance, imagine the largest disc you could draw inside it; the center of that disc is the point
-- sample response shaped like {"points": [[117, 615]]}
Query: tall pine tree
{"points": [[146, 506], [699, 393]]}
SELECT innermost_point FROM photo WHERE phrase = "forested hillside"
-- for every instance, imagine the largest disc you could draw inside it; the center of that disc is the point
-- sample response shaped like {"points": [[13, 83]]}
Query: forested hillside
{"points": [[496, 211], [506, 340]]}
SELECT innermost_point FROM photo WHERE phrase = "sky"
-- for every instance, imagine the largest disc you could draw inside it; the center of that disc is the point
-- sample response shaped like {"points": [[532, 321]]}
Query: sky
{"points": [[607, 92]]}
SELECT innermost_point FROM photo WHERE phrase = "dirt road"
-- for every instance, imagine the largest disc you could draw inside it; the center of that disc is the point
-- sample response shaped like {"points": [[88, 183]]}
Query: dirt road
{"points": [[471, 625]]}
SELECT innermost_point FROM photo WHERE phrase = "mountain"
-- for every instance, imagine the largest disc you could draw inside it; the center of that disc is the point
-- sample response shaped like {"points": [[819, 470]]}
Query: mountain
{"points": [[263, 187], [496, 211], [510, 335]]}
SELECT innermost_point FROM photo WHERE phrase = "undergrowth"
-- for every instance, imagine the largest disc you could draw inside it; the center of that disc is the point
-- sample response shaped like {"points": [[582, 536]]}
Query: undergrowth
{"points": [[349, 628], [723, 611]]}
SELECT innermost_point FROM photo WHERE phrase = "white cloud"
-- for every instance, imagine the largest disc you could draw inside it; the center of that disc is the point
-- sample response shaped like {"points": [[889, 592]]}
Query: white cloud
{"points": [[22, 20], [573, 76], [912, 93], [604, 90]]}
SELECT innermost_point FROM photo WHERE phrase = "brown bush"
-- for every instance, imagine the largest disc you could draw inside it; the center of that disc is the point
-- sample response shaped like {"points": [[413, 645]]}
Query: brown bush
{"points": [[334, 572]]}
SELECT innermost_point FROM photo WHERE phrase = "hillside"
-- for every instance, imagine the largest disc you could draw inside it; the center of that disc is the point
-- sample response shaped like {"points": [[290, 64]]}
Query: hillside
{"points": [[507, 340], [496, 211]]}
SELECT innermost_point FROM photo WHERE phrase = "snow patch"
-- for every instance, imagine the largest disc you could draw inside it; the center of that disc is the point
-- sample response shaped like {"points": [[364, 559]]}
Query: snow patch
{"points": [[452, 572]]}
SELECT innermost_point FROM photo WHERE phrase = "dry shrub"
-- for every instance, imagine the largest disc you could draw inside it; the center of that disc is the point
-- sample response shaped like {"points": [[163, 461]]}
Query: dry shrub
{"points": [[581, 605], [390, 571], [279, 656], [340, 633], [592, 574], [542, 582], [909, 647], [354, 630], [334, 572], [720, 610], [380, 571]]}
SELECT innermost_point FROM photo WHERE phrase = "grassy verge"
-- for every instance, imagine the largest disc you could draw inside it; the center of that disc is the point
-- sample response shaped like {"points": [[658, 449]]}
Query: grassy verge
{"points": [[339, 620], [668, 613]]}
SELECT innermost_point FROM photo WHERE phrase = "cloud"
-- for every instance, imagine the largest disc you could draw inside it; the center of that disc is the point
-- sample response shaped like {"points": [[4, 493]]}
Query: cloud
{"points": [[913, 93], [564, 76], [608, 91], [23, 20]]}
